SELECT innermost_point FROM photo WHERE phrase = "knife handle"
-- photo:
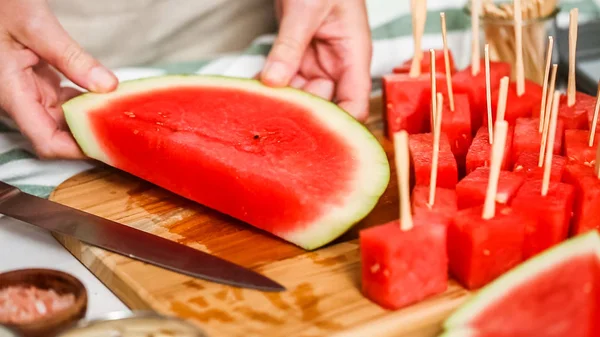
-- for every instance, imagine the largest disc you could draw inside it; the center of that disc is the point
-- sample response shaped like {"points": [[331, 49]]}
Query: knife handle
{"points": [[7, 191]]}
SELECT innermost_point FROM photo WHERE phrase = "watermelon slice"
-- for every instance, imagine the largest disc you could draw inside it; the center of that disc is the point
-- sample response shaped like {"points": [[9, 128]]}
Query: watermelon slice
{"points": [[474, 87], [554, 294], [551, 214], [444, 205], [440, 63], [587, 197], [527, 165], [421, 152], [282, 160], [528, 139], [480, 151], [577, 148], [480, 250], [517, 107], [400, 268], [471, 190]]}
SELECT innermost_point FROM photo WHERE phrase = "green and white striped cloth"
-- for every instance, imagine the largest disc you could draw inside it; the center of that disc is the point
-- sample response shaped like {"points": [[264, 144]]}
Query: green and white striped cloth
{"points": [[392, 43]]}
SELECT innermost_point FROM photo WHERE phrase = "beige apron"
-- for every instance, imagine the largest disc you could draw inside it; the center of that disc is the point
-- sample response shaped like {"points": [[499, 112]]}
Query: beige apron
{"points": [[144, 32]]}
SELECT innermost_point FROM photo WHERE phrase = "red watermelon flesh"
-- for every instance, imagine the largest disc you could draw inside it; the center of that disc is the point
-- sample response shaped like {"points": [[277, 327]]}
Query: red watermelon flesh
{"points": [[577, 149], [406, 101], [400, 268], [421, 152], [444, 205], [551, 214], [587, 197], [480, 250], [554, 294], [267, 156], [474, 87], [528, 139], [471, 190], [440, 63], [576, 116], [480, 151], [527, 165], [518, 107]]}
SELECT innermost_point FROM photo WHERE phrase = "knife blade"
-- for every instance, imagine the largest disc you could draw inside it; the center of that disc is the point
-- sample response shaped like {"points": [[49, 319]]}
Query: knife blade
{"points": [[127, 241]]}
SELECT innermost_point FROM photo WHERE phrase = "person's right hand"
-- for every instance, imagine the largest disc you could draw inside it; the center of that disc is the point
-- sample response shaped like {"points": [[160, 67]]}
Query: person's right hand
{"points": [[32, 43]]}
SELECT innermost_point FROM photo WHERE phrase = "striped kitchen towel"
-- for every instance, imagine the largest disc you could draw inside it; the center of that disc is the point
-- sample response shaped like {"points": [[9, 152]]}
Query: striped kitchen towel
{"points": [[392, 43]]}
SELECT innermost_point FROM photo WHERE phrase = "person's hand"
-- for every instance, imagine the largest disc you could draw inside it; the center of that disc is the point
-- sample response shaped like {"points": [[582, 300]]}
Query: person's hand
{"points": [[323, 47], [32, 43]]}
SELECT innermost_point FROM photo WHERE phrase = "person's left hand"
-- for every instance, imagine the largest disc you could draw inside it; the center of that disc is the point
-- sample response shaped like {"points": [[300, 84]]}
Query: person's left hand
{"points": [[324, 48]]}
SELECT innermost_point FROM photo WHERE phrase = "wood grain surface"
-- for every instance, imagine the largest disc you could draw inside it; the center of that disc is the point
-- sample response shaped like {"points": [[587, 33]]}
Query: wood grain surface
{"points": [[323, 295]]}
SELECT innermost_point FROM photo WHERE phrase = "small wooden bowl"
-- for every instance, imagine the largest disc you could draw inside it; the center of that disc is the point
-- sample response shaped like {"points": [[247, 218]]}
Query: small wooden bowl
{"points": [[60, 282]]}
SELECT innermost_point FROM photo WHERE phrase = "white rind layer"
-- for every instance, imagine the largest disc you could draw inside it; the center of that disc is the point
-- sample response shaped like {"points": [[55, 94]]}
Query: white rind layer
{"points": [[582, 245], [371, 177]]}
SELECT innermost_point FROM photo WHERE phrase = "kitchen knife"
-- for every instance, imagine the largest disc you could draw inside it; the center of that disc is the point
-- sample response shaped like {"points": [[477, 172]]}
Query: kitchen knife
{"points": [[128, 241]]}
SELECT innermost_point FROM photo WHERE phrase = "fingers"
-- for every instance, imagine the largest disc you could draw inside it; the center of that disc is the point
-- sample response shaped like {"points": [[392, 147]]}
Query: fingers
{"points": [[321, 87], [43, 34], [300, 20]]}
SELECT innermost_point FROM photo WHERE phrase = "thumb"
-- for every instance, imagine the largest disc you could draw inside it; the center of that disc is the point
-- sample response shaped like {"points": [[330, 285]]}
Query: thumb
{"points": [[300, 20], [47, 38]]}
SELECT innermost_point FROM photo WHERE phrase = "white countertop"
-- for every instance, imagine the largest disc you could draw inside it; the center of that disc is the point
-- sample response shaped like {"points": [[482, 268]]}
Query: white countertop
{"points": [[25, 246]]}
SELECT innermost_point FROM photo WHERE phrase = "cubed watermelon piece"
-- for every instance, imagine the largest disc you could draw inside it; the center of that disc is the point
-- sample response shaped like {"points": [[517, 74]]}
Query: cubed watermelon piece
{"points": [[474, 87], [517, 107], [577, 149], [406, 102], [421, 152], [400, 268], [480, 151], [587, 197], [440, 63], [550, 214], [528, 139], [471, 190], [480, 250], [444, 205], [527, 165], [576, 117]]}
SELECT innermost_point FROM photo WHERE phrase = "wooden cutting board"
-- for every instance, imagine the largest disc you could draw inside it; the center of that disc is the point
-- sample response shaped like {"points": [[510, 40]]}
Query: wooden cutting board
{"points": [[323, 295]]}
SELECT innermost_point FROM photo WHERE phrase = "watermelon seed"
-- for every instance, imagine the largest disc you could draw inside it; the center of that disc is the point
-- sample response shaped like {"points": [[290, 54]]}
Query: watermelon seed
{"points": [[374, 268], [135, 132], [256, 136]]}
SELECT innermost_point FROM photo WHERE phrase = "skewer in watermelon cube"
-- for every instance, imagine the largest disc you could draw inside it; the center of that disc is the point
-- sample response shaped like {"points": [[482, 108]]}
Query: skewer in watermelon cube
{"points": [[471, 190], [485, 241], [432, 199], [527, 164], [528, 139], [421, 149], [580, 145], [425, 63], [391, 275], [548, 204], [586, 181]]}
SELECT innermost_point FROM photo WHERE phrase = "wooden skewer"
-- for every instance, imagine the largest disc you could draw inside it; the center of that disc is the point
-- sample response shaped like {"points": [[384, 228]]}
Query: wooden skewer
{"points": [[545, 85], [419, 16], [489, 207], [595, 119], [488, 92], [475, 12], [433, 88], [502, 96], [550, 147], [519, 48], [403, 171], [436, 149], [547, 116], [572, 49], [447, 62]]}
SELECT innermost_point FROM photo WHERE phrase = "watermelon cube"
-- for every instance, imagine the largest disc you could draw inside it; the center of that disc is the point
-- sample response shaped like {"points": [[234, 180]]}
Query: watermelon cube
{"points": [[471, 190], [421, 152], [587, 197], [474, 87], [440, 63], [527, 165], [444, 205], [576, 117], [550, 215], [480, 250], [457, 125], [577, 149], [400, 268], [528, 139], [517, 107], [406, 101], [480, 151]]}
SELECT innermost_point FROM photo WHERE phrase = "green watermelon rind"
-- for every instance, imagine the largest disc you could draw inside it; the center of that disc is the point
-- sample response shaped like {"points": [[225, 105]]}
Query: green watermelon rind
{"points": [[581, 245], [372, 176]]}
